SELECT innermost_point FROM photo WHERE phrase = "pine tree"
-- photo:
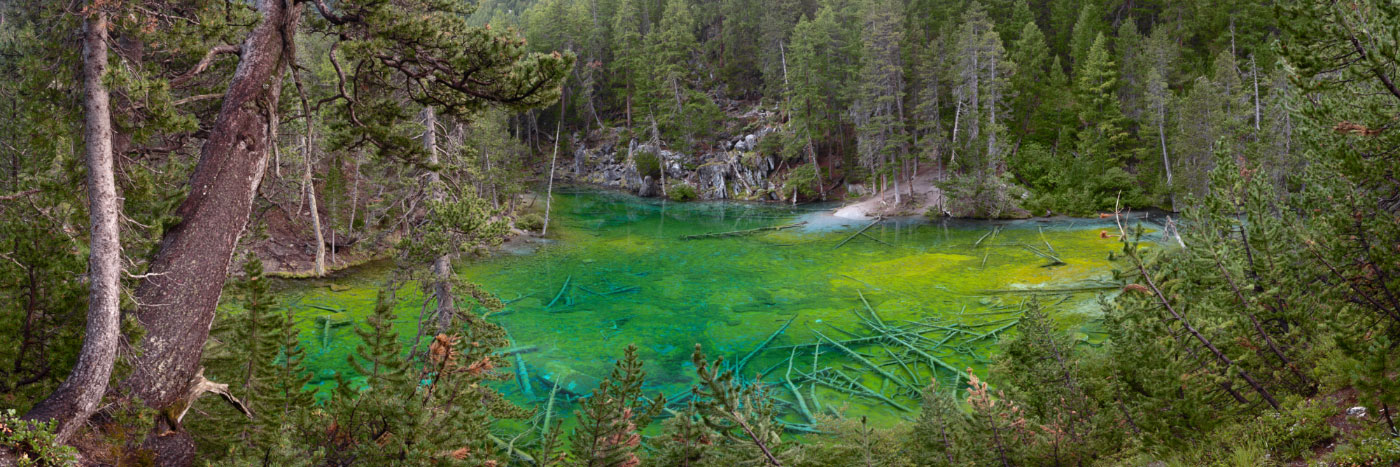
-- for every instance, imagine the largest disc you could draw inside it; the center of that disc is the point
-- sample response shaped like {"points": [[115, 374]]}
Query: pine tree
{"points": [[1021, 15], [1088, 30], [940, 431], [739, 59], [266, 372], [881, 139], [1158, 54], [813, 83], [1103, 141], [982, 76], [742, 417], [1040, 369], [671, 46], [1132, 70], [613, 417], [1030, 83], [629, 58]]}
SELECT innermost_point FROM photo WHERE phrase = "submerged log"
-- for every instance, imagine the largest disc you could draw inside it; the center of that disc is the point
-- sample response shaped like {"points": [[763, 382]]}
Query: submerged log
{"points": [[736, 233], [863, 360], [522, 375], [563, 289], [801, 401], [857, 234], [739, 369], [1090, 288]]}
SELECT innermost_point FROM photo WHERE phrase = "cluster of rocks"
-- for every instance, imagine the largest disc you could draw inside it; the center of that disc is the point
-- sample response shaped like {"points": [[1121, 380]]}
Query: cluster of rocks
{"points": [[732, 170]]}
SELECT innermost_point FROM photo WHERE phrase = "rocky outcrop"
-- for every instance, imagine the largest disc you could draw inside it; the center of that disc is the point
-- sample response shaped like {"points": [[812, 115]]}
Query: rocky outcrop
{"points": [[732, 169]]}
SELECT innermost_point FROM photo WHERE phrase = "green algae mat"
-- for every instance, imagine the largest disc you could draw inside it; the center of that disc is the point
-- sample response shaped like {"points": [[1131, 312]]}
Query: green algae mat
{"points": [[837, 316]]}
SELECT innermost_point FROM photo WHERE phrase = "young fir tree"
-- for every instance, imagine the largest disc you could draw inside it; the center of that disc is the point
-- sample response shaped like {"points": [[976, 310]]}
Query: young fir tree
{"points": [[1103, 142], [612, 418], [728, 422], [1029, 85], [266, 372], [1088, 27], [435, 408], [939, 434], [1040, 370]]}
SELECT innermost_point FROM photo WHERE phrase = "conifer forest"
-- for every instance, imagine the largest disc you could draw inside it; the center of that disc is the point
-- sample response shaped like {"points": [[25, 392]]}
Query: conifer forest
{"points": [[623, 233]]}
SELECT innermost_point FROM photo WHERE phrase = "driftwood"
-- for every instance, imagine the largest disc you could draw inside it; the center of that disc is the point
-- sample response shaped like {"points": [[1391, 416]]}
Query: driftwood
{"points": [[994, 331], [736, 233], [859, 232], [851, 386], [516, 453]]}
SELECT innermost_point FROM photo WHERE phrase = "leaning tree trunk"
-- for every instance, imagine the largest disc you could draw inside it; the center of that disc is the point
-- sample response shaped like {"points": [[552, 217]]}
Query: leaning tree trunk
{"points": [[176, 303], [75, 400]]}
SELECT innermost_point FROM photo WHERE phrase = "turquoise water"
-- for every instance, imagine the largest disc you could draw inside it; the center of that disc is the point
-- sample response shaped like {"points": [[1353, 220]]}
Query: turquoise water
{"points": [[616, 270]]}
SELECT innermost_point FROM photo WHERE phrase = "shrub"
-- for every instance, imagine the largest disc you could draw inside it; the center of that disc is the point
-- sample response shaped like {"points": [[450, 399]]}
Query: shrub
{"points": [[1380, 449], [648, 164], [531, 222], [682, 191], [32, 443]]}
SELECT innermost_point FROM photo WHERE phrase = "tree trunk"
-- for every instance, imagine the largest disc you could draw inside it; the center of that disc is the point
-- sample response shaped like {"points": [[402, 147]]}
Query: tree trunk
{"points": [[308, 184], [76, 399], [176, 304], [354, 200], [442, 266], [1166, 161], [549, 192]]}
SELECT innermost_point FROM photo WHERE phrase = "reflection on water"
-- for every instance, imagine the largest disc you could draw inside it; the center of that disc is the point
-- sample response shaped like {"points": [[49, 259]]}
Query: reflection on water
{"points": [[618, 271]]}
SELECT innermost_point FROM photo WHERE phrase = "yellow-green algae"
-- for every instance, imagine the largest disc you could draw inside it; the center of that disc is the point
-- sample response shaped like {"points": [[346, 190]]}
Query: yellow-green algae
{"points": [[633, 280]]}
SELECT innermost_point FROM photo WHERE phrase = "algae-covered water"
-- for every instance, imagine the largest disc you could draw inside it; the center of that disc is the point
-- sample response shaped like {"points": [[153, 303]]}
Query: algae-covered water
{"points": [[616, 270]]}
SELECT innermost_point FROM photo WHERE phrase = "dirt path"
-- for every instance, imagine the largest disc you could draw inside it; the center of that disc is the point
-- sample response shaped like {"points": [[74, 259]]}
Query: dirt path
{"points": [[926, 196]]}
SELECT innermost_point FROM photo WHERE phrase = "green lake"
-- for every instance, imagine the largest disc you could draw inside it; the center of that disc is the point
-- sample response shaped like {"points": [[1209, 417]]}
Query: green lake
{"points": [[948, 290]]}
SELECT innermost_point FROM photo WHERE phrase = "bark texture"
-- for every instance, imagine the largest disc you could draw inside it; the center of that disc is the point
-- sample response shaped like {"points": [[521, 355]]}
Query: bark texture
{"points": [[76, 399], [176, 304], [442, 265]]}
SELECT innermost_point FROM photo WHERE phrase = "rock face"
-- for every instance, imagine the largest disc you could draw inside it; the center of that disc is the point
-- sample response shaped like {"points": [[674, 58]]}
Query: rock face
{"points": [[732, 170]]}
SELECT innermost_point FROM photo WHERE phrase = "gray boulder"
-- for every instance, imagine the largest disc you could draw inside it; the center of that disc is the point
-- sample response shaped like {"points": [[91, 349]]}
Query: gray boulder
{"points": [[649, 187]]}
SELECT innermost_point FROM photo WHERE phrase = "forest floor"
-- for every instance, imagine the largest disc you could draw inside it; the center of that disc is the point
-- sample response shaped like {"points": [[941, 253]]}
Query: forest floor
{"points": [[916, 200]]}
